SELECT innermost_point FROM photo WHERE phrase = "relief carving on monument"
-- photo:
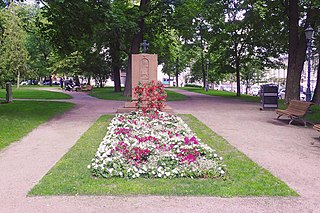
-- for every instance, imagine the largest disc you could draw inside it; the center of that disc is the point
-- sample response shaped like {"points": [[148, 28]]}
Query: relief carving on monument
{"points": [[144, 70]]}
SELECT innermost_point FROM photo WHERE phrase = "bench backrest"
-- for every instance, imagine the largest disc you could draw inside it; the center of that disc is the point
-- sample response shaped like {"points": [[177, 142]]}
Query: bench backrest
{"points": [[299, 107], [89, 87]]}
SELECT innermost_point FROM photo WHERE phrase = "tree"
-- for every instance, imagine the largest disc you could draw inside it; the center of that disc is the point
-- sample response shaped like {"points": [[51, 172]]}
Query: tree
{"points": [[14, 57], [195, 22], [300, 16], [42, 53], [120, 25], [316, 95], [70, 33], [252, 35], [135, 43]]}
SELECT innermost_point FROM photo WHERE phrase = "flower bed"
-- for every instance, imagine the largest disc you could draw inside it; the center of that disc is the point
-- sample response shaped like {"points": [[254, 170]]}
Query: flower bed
{"points": [[154, 145]]}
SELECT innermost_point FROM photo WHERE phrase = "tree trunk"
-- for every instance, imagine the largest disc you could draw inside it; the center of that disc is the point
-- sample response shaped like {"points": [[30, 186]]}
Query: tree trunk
{"points": [[316, 95], [100, 82], [89, 79], [135, 46], [238, 75], [18, 80], [247, 86], [297, 49], [177, 77], [203, 71], [116, 76], [116, 63], [76, 80]]}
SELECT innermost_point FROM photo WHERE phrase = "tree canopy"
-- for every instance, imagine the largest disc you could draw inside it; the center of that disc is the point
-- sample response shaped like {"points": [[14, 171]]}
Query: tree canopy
{"points": [[96, 38]]}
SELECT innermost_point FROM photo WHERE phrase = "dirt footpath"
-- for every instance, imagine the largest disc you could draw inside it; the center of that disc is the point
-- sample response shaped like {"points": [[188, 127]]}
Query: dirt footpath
{"points": [[289, 152]]}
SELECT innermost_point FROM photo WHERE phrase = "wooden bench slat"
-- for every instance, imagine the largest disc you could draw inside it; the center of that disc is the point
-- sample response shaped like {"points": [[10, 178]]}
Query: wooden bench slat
{"points": [[316, 127], [296, 110]]}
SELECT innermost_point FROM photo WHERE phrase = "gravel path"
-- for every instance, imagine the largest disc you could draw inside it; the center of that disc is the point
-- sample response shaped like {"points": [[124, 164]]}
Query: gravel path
{"points": [[289, 152]]}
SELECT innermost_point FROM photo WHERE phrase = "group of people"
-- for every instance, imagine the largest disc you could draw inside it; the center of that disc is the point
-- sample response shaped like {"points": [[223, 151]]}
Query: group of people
{"points": [[69, 84]]}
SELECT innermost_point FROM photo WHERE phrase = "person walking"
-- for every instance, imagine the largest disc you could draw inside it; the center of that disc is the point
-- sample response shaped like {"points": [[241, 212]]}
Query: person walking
{"points": [[61, 82]]}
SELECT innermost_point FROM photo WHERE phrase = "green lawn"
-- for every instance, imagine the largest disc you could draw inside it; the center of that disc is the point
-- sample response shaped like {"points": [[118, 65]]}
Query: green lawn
{"points": [[107, 93], [313, 116], [222, 94], [19, 118], [33, 93], [70, 175]]}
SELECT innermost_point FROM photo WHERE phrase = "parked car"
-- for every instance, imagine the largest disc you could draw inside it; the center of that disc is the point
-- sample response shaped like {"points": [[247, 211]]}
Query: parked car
{"points": [[255, 91], [53, 82], [282, 95], [29, 82], [24, 83]]}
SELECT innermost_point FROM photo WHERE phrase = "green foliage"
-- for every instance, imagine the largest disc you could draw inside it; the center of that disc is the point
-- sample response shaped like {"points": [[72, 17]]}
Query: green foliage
{"points": [[76, 39], [42, 53], [14, 55], [21, 117], [70, 175]]}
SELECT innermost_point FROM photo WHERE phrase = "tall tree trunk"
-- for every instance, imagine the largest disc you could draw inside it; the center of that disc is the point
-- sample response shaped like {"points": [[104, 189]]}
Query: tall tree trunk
{"points": [[100, 82], [18, 80], [135, 46], [89, 79], [297, 48], [203, 71], [177, 77], [238, 75], [316, 95], [76, 80], [177, 72], [116, 76], [116, 63]]}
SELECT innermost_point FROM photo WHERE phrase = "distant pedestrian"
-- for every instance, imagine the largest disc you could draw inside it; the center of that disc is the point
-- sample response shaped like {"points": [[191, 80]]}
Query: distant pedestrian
{"points": [[61, 83]]}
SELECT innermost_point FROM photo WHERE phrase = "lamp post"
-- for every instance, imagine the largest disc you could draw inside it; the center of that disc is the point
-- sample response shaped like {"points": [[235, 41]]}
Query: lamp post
{"points": [[207, 79], [309, 34]]}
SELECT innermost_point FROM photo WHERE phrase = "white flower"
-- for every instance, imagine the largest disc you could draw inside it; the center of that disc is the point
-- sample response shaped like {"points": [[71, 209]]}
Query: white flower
{"points": [[167, 134]]}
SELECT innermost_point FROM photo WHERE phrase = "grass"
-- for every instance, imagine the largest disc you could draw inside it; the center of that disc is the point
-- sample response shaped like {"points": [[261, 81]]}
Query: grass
{"points": [[223, 94], [107, 93], [313, 116], [174, 96], [70, 175], [19, 118], [32, 93]]}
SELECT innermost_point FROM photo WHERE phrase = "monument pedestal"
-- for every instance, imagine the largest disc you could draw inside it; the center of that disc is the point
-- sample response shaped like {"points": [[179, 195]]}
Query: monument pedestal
{"points": [[144, 69], [131, 106]]}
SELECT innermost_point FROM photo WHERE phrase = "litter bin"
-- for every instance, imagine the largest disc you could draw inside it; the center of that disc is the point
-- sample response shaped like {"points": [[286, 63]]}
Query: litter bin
{"points": [[269, 96]]}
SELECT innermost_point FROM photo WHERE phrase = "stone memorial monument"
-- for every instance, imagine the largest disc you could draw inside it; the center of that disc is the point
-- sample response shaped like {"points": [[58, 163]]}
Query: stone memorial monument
{"points": [[144, 69]]}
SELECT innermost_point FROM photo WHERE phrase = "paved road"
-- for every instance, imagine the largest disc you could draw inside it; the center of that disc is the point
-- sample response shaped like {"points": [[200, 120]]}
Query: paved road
{"points": [[290, 152]]}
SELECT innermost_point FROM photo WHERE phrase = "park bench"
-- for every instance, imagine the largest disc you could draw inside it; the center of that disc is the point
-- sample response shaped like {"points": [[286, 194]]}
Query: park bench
{"points": [[296, 110], [87, 88], [316, 127]]}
